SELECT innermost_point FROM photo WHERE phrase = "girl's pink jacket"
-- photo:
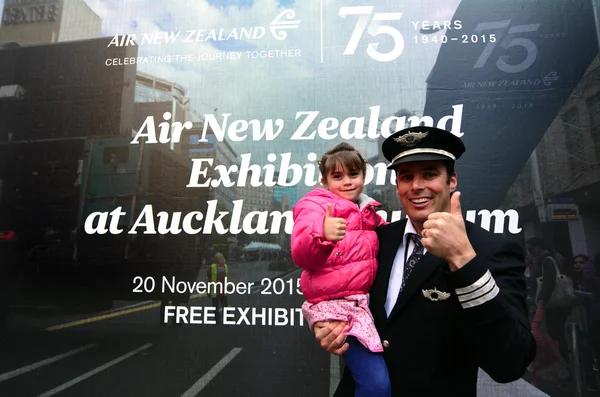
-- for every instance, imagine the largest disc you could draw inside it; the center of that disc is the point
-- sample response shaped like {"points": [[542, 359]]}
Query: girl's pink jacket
{"points": [[335, 269]]}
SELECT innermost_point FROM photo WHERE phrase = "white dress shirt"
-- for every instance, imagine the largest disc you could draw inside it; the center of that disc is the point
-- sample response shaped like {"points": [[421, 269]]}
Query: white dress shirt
{"points": [[398, 267]]}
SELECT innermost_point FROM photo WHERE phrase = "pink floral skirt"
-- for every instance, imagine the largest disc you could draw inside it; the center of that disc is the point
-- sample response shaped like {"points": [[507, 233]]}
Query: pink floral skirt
{"points": [[353, 309]]}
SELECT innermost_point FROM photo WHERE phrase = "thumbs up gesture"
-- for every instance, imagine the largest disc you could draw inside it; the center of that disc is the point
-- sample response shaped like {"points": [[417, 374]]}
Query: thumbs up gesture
{"points": [[334, 229], [445, 236]]}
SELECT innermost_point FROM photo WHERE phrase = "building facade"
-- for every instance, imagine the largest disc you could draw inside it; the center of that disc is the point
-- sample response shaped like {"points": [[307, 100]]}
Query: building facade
{"points": [[556, 192], [32, 22]]}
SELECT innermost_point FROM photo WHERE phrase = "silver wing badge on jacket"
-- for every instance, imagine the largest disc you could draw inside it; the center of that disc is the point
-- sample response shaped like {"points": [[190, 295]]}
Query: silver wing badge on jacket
{"points": [[434, 295]]}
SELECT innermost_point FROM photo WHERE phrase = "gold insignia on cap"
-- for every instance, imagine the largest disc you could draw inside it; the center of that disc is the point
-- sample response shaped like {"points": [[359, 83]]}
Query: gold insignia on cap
{"points": [[434, 295], [411, 138]]}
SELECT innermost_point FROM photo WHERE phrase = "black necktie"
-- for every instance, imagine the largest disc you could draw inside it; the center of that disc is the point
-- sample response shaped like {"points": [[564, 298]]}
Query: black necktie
{"points": [[414, 258]]}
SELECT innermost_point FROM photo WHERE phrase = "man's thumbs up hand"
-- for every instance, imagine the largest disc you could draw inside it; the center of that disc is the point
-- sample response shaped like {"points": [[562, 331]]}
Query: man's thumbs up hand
{"points": [[445, 236], [455, 208]]}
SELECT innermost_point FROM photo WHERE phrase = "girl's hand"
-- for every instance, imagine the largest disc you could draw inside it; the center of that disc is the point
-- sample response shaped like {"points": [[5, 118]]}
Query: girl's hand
{"points": [[334, 229]]}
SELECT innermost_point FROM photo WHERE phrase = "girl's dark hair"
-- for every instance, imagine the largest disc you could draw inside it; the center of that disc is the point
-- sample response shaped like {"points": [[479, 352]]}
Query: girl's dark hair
{"points": [[342, 155]]}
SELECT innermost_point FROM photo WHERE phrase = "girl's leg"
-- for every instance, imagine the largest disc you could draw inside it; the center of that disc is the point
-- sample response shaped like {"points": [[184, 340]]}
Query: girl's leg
{"points": [[368, 370]]}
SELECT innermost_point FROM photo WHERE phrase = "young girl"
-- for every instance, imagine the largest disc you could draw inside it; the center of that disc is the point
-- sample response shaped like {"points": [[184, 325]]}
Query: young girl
{"points": [[334, 241]]}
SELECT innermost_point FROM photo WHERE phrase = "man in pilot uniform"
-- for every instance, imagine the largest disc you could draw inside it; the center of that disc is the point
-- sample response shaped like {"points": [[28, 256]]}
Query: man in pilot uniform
{"points": [[449, 297]]}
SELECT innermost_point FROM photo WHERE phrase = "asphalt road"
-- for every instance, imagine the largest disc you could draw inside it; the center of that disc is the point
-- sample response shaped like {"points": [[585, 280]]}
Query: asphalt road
{"points": [[127, 352]]}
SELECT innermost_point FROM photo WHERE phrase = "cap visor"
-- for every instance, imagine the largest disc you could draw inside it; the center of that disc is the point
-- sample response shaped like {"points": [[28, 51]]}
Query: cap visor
{"points": [[419, 157]]}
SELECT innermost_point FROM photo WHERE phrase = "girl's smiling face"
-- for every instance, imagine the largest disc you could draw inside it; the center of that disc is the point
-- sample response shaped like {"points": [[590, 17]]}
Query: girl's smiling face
{"points": [[344, 183]]}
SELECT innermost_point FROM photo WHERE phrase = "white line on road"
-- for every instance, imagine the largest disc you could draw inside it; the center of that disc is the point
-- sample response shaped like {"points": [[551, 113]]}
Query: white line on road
{"points": [[117, 309], [39, 364], [93, 372], [202, 382], [334, 374]]}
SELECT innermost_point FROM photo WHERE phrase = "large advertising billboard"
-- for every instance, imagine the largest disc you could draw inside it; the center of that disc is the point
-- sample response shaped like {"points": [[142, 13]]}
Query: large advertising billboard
{"points": [[141, 140]]}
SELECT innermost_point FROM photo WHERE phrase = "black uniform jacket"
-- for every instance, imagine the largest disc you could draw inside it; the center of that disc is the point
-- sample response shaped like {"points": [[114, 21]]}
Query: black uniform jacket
{"points": [[434, 347]]}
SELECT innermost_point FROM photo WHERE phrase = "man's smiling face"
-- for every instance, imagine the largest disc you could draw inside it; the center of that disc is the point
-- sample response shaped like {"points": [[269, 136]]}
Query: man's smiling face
{"points": [[424, 188]]}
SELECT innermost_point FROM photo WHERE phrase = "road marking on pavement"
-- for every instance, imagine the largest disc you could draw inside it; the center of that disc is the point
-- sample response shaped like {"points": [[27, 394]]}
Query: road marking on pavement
{"points": [[118, 309], [114, 313], [39, 364], [334, 374], [202, 382], [93, 372], [102, 317]]}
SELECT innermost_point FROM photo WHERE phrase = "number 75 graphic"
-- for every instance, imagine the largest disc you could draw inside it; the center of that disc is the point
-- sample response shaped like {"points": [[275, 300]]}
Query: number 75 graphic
{"points": [[372, 24], [510, 41], [375, 28]]}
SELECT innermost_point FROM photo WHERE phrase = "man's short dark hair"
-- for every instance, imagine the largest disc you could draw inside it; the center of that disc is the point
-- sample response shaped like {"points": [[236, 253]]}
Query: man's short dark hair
{"points": [[449, 164]]}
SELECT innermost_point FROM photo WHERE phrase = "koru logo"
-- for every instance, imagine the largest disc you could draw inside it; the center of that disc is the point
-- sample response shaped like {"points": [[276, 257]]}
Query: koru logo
{"points": [[278, 27], [510, 41], [375, 28]]}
